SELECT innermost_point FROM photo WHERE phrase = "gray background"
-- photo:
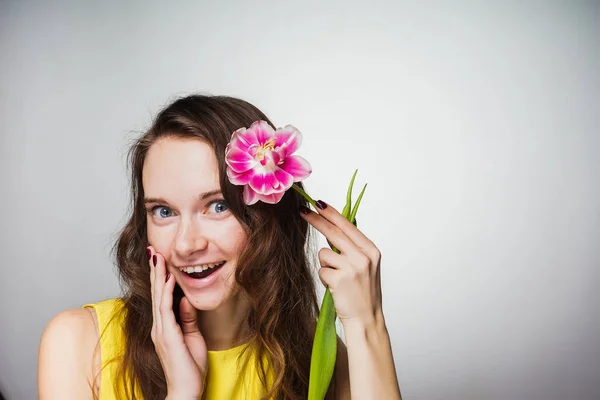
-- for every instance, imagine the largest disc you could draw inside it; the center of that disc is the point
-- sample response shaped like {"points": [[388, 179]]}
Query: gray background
{"points": [[476, 125]]}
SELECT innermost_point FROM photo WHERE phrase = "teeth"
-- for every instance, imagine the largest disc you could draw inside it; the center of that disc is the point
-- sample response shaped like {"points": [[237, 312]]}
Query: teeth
{"points": [[200, 268]]}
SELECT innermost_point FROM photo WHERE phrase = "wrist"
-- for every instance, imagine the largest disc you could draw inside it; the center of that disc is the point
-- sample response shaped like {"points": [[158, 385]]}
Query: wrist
{"points": [[371, 363], [365, 329], [370, 322]]}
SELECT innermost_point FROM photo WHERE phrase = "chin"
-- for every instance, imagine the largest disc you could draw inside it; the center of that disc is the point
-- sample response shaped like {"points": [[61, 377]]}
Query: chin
{"points": [[209, 299], [206, 302]]}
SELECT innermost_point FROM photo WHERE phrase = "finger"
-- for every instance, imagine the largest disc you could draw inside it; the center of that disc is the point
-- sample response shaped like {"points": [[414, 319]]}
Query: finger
{"points": [[329, 277], [159, 283], [337, 219], [329, 258], [330, 262], [167, 316], [333, 234], [150, 252]]}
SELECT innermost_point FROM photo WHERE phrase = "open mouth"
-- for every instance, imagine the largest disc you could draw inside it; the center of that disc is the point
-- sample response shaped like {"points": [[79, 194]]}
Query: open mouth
{"points": [[202, 272]]}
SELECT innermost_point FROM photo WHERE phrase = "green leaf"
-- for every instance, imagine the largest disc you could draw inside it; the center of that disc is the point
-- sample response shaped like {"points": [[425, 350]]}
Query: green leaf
{"points": [[346, 209], [355, 209], [324, 350]]}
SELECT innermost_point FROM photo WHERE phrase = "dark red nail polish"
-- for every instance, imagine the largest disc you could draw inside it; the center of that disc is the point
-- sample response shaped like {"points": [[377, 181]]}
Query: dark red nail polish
{"points": [[154, 260], [321, 205], [168, 276], [304, 210], [148, 253]]}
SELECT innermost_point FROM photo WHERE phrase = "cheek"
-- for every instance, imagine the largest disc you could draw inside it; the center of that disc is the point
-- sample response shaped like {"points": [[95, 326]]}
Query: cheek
{"points": [[240, 242], [233, 238], [158, 238]]}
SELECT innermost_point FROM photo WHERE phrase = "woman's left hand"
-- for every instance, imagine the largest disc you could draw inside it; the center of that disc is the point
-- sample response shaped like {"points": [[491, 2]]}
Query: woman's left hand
{"points": [[353, 275]]}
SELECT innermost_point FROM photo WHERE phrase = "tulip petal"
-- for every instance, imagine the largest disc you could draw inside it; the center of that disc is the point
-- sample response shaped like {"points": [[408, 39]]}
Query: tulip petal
{"points": [[271, 198], [296, 166], [242, 139], [285, 179], [272, 157], [262, 181], [250, 196], [239, 178], [262, 131], [268, 182], [287, 140], [239, 160]]}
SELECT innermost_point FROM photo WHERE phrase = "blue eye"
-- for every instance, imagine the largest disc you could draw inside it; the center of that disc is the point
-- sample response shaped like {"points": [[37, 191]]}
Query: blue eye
{"points": [[219, 206], [164, 212]]}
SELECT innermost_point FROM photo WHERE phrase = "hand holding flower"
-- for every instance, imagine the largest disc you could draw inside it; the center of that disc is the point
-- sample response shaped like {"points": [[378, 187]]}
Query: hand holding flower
{"points": [[353, 275]]}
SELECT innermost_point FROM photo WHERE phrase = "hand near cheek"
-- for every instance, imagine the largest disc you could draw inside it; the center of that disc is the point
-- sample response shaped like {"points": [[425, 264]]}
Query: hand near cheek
{"points": [[182, 350], [353, 276]]}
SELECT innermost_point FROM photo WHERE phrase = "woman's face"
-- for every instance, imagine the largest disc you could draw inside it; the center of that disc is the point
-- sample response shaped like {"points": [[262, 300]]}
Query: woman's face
{"points": [[189, 223]]}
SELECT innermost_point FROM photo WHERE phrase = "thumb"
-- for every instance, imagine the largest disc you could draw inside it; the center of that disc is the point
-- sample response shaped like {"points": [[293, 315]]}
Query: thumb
{"points": [[188, 316], [192, 336]]}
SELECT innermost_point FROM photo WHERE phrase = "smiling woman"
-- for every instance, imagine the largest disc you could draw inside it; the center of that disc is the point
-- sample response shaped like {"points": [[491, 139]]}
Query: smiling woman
{"points": [[218, 297]]}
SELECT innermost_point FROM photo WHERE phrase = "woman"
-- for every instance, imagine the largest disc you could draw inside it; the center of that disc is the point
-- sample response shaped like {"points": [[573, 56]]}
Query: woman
{"points": [[219, 300]]}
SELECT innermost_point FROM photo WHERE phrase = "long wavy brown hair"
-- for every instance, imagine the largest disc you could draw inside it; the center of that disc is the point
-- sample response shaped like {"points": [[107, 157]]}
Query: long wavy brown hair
{"points": [[273, 269]]}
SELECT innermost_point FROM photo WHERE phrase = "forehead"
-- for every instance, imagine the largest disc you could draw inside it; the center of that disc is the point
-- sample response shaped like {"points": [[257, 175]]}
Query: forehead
{"points": [[178, 166]]}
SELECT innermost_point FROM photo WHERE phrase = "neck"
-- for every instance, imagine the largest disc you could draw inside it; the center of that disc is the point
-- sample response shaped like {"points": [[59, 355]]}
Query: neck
{"points": [[225, 327]]}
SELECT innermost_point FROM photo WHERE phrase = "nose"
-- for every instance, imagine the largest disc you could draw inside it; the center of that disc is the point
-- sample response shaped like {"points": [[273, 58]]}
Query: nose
{"points": [[190, 238]]}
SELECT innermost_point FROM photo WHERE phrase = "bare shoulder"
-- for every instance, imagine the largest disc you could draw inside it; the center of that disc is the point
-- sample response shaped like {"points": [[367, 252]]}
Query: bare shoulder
{"points": [[342, 374], [70, 329], [67, 355]]}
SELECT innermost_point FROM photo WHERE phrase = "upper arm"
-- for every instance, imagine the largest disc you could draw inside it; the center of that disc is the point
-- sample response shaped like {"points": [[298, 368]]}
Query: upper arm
{"points": [[67, 356], [342, 374]]}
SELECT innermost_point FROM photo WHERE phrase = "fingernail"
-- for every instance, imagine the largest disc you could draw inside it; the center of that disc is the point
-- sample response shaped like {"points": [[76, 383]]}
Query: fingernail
{"points": [[168, 276], [154, 260], [321, 205], [148, 253], [304, 210]]}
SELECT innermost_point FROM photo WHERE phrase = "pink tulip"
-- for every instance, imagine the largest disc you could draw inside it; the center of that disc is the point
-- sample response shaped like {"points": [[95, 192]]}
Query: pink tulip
{"points": [[262, 159]]}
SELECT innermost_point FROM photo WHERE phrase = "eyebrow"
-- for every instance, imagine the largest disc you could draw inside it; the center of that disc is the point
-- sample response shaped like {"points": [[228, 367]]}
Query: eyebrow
{"points": [[201, 197]]}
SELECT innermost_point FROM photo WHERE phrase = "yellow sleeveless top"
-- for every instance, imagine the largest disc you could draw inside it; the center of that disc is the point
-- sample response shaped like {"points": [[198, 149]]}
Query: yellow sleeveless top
{"points": [[224, 379]]}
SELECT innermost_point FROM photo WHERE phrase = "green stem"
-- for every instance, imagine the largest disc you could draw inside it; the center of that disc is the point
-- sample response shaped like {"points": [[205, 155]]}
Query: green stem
{"points": [[305, 195]]}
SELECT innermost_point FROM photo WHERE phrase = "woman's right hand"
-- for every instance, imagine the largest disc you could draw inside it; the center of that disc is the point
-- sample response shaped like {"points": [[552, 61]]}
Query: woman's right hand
{"points": [[182, 351]]}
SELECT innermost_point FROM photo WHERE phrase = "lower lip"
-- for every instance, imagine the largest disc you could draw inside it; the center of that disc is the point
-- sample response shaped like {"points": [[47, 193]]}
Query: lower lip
{"points": [[201, 283]]}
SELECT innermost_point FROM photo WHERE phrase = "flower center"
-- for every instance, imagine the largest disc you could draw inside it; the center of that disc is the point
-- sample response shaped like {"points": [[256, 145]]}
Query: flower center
{"points": [[269, 145]]}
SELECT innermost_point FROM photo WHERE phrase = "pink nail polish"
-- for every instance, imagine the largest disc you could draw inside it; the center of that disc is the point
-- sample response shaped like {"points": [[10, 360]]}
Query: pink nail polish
{"points": [[154, 260], [168, 276]]}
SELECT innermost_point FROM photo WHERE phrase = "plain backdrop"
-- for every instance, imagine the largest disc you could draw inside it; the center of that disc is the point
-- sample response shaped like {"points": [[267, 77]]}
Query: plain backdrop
{"points": [[475, 124]]}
